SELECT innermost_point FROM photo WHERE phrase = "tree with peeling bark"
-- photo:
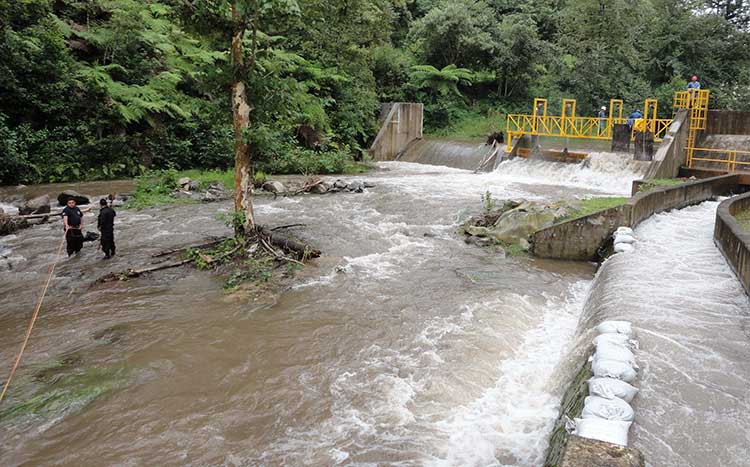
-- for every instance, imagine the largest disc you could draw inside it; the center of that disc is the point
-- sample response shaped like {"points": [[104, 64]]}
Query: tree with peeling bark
{"points": [[243, 19]]}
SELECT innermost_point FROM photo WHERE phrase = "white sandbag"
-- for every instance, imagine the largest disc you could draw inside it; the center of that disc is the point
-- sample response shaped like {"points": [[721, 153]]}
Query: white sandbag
{"points": [[624, 231], [622, 339], [624, 239], [613, 326], [610, 388], [607, 409], [624, 248], [613, 369], [611, 431], [611, 351]]}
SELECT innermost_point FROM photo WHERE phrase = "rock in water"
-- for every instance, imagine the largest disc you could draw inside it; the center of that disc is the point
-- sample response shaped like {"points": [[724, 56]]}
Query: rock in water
{"points": [[38, 205], [356, 187], [274, 187], [62, 198], [9, 224], [320, 188], [521, 222]]}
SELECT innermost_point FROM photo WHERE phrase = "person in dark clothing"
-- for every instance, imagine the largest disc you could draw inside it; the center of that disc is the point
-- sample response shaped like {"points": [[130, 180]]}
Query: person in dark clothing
{"points": [[73, 222], [106, 226]]}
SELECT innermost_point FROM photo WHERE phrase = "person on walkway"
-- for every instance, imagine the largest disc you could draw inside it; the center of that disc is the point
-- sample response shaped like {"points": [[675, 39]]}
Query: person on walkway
{"points": [[106, 226], [602, 119], [693, 87], [73, 222], [694, 84], [636, 115]]}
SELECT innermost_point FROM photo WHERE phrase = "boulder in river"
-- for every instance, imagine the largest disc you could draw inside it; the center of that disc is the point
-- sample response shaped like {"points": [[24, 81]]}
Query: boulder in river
{"points": [[9, 224], [62, 198], [38, 205], [356, 186], [320, 188], [274, 186]]}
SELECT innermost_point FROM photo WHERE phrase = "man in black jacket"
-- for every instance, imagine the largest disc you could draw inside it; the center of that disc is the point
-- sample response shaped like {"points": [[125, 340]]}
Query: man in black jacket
{"points": [[106, 226], [73, 222]]}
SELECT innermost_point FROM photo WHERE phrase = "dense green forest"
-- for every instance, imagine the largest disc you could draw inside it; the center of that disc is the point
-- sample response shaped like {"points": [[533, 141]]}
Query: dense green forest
{"points": [[109, 88]]}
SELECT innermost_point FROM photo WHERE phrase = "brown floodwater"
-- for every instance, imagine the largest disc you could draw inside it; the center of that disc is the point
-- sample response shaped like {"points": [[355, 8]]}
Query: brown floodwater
{"points": [[403, 346]]}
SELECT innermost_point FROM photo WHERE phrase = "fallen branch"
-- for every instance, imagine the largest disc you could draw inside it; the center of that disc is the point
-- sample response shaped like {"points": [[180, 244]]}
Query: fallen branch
{"points": [[298, 249], [275, 253], [199, 246], [35, 216], [309, 184], [288, 226], [130, 273]]}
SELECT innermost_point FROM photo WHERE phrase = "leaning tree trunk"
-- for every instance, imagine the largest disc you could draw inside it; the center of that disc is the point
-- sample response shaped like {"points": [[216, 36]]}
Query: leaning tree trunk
{"points": [[243, 186]]}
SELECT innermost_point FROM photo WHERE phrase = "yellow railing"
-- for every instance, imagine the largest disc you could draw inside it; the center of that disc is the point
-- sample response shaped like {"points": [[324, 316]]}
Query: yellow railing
{"points": [[575, 127], [727, 157]]}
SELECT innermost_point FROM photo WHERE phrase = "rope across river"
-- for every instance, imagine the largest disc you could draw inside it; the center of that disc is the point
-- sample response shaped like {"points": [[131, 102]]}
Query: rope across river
{"points": [[33, 318]]}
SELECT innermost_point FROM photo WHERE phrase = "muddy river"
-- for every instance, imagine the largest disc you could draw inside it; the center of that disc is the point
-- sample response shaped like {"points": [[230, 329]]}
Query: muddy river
{"points": [[402, 346]]}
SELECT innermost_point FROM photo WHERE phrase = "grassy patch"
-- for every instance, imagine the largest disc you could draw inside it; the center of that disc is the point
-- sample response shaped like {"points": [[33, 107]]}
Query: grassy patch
{"points": [[743, 218], [514, 249], [661, 182], [592, 205], [474, 126]]}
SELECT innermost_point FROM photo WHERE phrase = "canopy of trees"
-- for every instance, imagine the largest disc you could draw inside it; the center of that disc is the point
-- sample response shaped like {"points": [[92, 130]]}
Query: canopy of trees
{"points": [[108, 88]]}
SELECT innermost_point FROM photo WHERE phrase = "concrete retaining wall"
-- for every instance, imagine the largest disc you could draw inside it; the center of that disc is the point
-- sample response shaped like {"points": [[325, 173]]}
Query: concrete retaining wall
{"points": [[646, 204], [581, 239], [401, 125], [671, 153], [732, 239], [727, 122]]}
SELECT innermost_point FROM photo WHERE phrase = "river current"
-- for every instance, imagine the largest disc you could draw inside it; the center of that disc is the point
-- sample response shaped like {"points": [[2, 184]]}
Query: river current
{"points": [[402, 346]]}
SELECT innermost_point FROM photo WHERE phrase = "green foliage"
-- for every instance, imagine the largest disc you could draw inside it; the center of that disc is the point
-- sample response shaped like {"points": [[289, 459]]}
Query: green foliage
{"points": [[99, 89], [444, 81], [64, 390], [258, 270], [259, 178], [306, 161], [471, 125], [488, 204]]}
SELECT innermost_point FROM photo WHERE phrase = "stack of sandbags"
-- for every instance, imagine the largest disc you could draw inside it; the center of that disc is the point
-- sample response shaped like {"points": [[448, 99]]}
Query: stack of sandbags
{"points": [[607, 414], [624, 240]]}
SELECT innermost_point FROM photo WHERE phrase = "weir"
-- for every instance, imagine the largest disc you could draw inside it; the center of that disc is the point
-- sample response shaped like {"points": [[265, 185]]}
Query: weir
{"points": [[688, 411]]}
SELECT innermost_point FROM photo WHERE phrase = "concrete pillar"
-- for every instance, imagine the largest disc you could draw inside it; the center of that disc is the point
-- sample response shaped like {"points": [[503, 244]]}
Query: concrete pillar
{"points": [[644, 146], [620, 138]]}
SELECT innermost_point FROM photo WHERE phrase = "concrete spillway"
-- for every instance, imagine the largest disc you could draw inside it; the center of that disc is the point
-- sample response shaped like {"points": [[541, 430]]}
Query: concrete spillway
{"points": [[459, 155]]}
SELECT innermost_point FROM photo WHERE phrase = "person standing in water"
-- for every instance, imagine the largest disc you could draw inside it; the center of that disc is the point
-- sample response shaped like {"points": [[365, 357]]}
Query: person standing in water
{"points": [[73, 222], [106, 226]]}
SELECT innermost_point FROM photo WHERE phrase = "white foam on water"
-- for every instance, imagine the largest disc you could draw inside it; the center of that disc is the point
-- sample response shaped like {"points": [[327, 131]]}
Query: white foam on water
{"points": [[510, 422], [609, 172], [8, 208]]}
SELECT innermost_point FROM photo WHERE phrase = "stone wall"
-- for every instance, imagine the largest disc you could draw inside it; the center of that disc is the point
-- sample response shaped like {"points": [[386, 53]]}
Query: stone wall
{"points": [[732, 240], [581, 239], [727, 122], [401, 125], [671, 154]]}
